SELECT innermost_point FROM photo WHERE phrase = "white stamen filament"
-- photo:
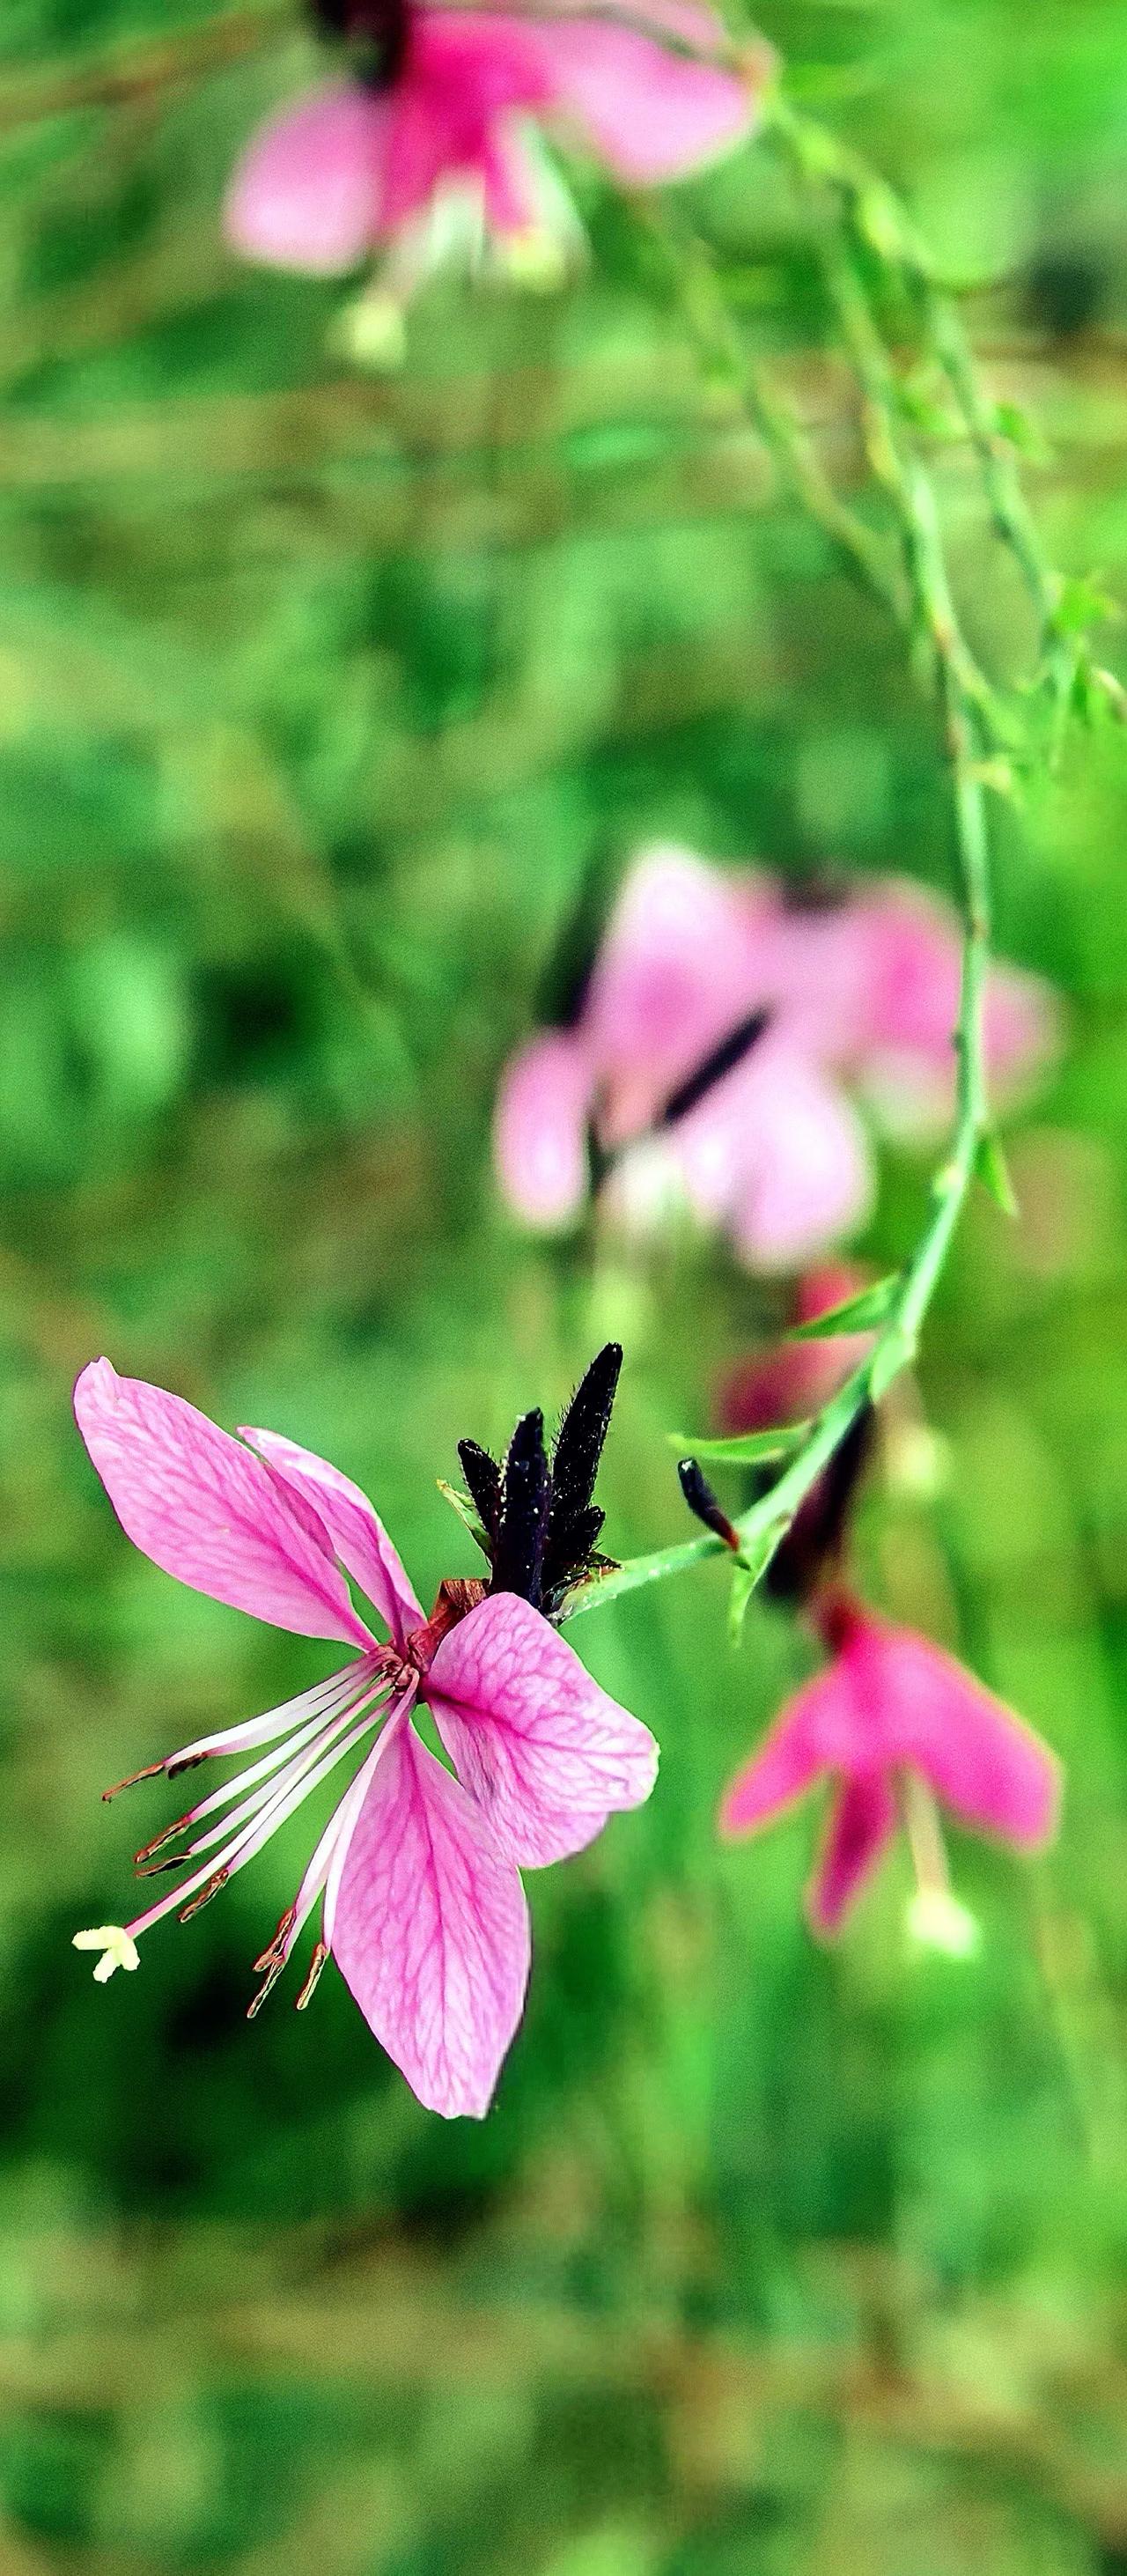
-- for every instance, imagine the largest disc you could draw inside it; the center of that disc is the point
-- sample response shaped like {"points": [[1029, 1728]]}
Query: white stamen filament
{"points": [[297, 1755], [277, 1721], [349, 1809], [286, 1795], [925, 1835], [339, 1826], [935, 1917]]}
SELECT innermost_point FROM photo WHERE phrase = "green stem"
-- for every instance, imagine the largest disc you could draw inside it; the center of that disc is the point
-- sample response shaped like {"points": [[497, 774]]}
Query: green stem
{"points": [[971, 727]]}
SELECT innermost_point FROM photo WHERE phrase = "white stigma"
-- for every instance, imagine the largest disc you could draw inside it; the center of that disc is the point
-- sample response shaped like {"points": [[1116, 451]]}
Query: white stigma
{"points": [[116, 1946]]}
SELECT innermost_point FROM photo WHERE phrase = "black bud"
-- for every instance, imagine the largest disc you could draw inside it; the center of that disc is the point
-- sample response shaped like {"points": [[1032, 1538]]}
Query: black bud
{"points": [[483, 1480], [518, 1555], [703, 1502]]}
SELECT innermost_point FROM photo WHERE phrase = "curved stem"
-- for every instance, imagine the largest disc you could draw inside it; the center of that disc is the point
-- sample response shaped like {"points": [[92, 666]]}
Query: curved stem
{"points": [[970, 729]]}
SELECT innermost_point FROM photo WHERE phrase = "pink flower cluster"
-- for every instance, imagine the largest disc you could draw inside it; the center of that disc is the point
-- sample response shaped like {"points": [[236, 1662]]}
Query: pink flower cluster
{"points": [[438, 151], [417, 1870], [726, 1037]]}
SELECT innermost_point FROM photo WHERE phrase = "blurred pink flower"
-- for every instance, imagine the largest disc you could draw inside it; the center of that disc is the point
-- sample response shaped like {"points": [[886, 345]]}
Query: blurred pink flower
{"points": [[443, 149], [423, 1907], [892, 1713], [723, 1030]]}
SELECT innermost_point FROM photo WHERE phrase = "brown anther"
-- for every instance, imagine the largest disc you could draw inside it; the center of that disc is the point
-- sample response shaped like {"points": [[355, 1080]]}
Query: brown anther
{"points": [[205, 1895], [270, 1978], [152, 1771], [315, 1966], [153, 1868], [276, 1952], [187, 1762], [159, 1840]]}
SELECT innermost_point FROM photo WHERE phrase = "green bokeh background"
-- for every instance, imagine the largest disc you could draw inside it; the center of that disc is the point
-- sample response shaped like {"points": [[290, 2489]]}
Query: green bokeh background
{"points": [[322, 700]]}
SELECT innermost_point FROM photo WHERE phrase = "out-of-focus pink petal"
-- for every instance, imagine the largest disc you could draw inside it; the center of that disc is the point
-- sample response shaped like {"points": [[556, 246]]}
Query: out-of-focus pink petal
{"points": [[861, 1822], [463, 78], [306, 193], [650, 113], [547, 1755], [357, 1533], [811, 1175], [209, 1511], [981, 1760], [816, 1731], [429, 1927], [540, 1130], [905, 1045], [676, 972]]}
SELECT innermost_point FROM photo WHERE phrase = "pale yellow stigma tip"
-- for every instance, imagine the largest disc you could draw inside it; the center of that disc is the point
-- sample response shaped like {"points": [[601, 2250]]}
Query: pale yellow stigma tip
{"points": [[118, 1950], [937, 1921]]}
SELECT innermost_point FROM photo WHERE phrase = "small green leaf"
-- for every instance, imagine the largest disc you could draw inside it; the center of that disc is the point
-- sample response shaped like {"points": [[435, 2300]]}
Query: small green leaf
{"points": [[747, 1449], [895, 1352], [461, 1504], [861, 1314], [743, 1585], [992, 1169], [747, 1569], [750, 1564]]}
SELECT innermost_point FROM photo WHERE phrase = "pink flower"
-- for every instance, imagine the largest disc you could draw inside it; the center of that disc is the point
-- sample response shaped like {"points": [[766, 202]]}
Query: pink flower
{"points": [[444, 141], [894, 1723], [723, 1030], [416, 1870]]}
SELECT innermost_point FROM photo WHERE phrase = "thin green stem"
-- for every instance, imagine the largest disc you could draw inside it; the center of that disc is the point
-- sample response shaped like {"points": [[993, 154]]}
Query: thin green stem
{"points": [[975, 730]]}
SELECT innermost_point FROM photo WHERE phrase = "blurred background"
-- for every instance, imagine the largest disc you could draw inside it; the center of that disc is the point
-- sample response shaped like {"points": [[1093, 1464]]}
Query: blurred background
{"points": [[323, 700]]}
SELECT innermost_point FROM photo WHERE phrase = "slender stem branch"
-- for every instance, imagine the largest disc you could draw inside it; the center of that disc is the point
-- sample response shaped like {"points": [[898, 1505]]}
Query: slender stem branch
{"points": [[973, 724]]}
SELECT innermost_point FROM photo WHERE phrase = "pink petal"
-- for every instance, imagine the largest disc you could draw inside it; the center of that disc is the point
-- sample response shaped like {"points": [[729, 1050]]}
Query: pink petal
{"points": [[305, 194], [815, 1732], [463, 77], [862, 1821], [904, 1038], [209, 1511], [811, 1174], [547, 1755], [649, 113], [678, 969], [429, 1926], [357, 1533], [540, 1130], [984, 1762]]}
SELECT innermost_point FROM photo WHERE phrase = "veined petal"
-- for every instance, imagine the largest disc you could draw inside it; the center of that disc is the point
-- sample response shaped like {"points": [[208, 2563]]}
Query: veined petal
{"points": [[306, 193], [208, 1511], [651, 113], [429, 1927], [862, 1821], [547, 1755], [981, 1760], [355, 1528]]}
